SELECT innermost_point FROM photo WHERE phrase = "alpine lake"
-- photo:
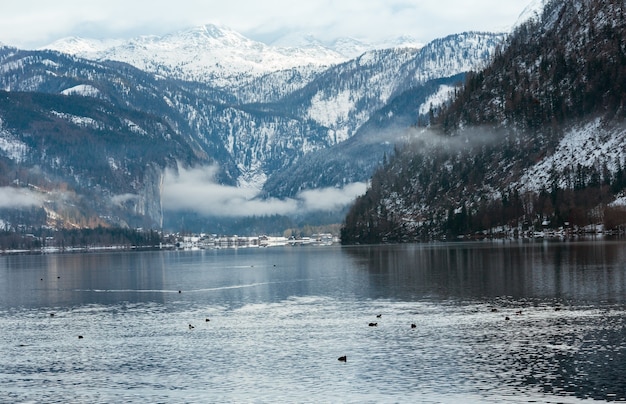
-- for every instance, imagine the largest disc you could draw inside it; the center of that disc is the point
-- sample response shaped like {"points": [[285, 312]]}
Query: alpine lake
{"points": [[484, 322]]}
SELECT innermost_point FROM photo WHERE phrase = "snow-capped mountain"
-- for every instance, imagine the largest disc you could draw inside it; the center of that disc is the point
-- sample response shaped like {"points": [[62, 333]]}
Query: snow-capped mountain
{"points": [[222, 57], [344, 97], [215, 55], [350, 48]]}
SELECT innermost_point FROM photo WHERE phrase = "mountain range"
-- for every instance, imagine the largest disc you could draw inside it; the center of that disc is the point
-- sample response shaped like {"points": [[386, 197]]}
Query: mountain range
{"points": [[219, 56], [271, 130]]}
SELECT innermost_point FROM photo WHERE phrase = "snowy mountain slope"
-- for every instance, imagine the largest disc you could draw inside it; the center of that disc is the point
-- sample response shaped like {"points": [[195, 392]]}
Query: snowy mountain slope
{"points": [[592, 144], [351, 48], [11, 147], [344, 96], [78, 46], [273, 86], [224, 58], [454, 54], [532, 12], [355, 159], [330, 109]]}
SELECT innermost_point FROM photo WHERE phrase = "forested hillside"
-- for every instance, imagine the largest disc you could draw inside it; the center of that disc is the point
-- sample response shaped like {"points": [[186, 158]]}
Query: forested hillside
{"points": [[81, 162], [533, 142]]}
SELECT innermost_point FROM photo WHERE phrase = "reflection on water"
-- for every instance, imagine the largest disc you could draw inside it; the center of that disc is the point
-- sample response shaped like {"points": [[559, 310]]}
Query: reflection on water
{"points": [[594, 271], [493, 323], [579, 350], [61, 279]]}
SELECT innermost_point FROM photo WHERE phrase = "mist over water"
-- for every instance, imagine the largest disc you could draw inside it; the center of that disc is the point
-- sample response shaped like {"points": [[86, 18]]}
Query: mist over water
{"points": [[196, 190], [280, 318]]}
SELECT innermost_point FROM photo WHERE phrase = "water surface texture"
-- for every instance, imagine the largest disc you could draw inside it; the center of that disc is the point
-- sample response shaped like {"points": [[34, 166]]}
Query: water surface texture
{"points": [[516, 323]]}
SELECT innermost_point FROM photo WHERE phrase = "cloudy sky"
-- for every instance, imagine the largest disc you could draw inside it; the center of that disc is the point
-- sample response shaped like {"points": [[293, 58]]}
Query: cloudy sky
{"points": [[34, 23]]}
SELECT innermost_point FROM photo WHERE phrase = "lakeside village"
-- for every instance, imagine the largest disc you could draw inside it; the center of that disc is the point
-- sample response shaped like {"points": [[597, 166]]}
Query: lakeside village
{"points": [[205, 241], [112, 239], [49, 241]]}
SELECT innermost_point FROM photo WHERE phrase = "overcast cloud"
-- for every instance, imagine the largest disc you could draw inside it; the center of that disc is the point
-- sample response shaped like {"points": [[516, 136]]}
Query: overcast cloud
{"points": [[35, 23], [196, 190]]}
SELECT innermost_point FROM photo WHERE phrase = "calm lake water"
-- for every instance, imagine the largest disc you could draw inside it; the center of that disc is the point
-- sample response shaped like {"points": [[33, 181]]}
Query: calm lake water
{"points": [[281, 317]]}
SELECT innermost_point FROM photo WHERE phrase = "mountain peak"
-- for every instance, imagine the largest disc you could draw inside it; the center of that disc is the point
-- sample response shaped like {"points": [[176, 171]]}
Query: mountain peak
{"points": [[207, 35], [532, 12], [211, 30], [81, 46]]}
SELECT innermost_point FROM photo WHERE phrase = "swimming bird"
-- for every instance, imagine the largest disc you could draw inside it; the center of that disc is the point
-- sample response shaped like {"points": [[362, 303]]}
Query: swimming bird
{"points": [[379, 316], [51, 314], [373, 324], [413, 325], [80, 337], [507, 318], [191, 327], [343, 358], [207, 320]]}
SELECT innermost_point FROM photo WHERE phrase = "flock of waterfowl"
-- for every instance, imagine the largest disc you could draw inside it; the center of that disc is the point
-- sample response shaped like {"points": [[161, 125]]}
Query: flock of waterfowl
{"points": [[344, 358]]}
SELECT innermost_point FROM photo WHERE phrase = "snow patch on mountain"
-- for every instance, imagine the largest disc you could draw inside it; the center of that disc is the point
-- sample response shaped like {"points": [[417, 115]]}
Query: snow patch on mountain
{"points": [[619, 201], [328, 111], [11, 147], [82, 90], [135, 128], [436, 100], [252, 177], [587, 145], [81, 121]]}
